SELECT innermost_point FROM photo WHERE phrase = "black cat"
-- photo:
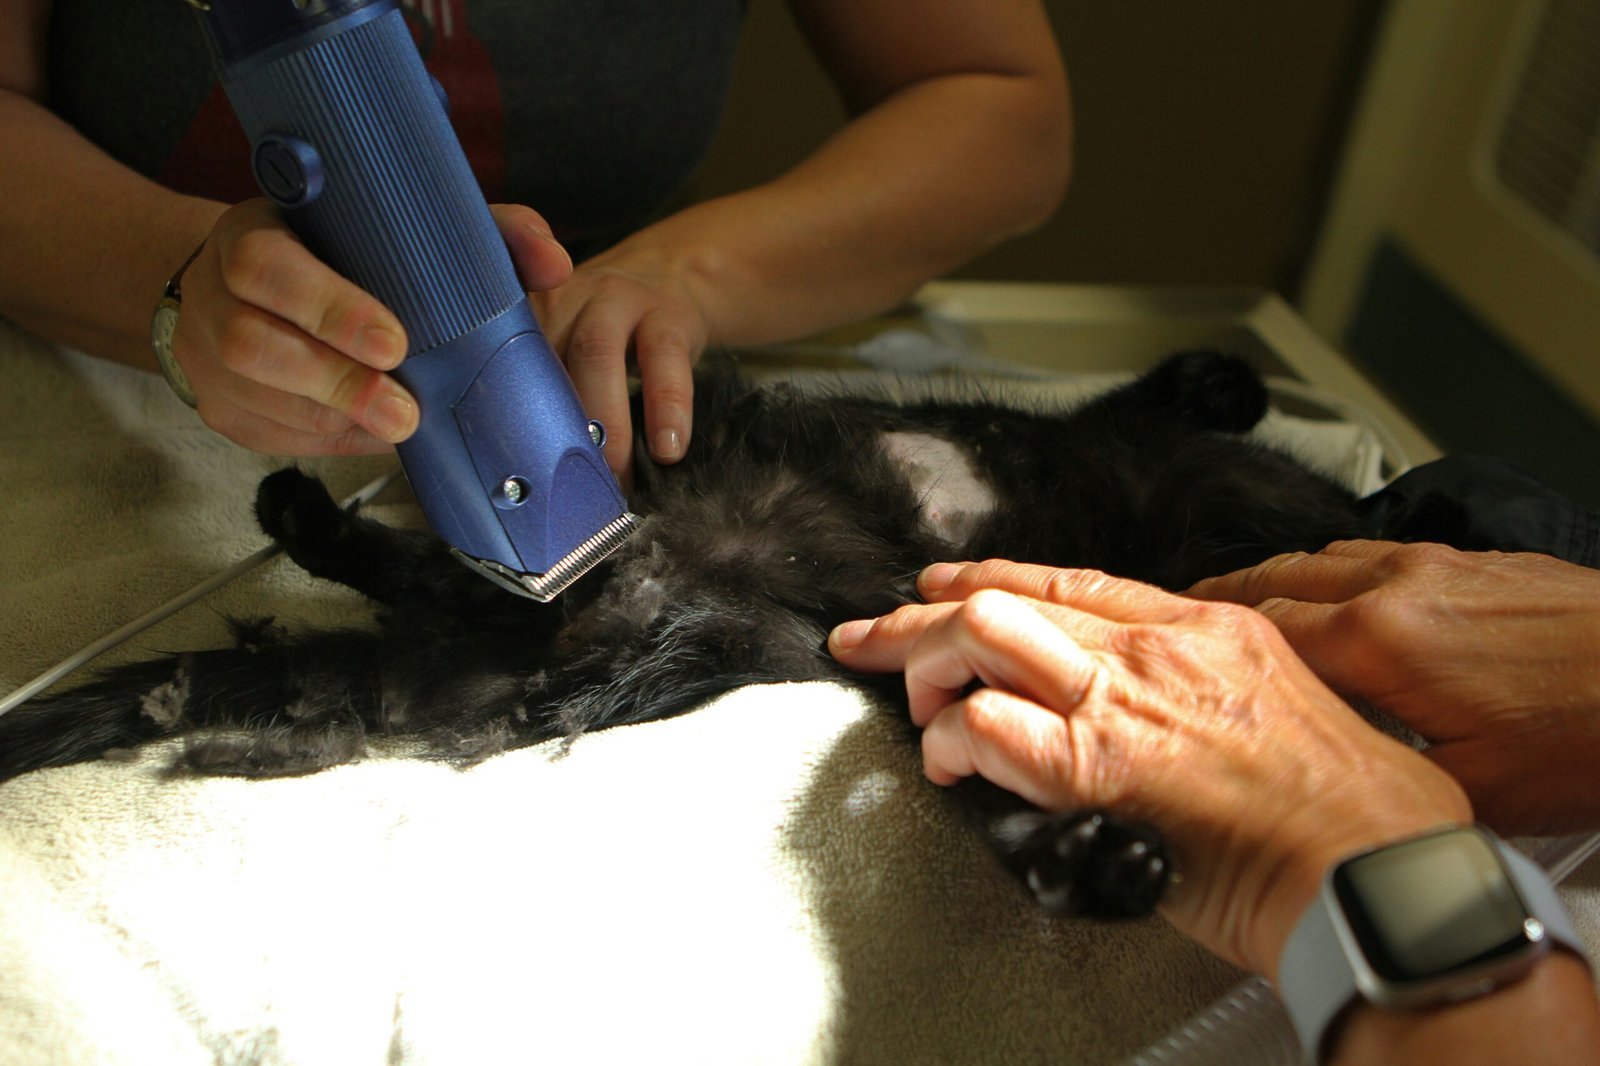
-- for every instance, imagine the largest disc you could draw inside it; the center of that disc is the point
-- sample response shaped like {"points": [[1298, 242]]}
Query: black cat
{"points": [[792, 513]]}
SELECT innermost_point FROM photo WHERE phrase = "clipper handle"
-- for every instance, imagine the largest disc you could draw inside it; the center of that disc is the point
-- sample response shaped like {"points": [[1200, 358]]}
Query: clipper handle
{"points": [[351, 137]]}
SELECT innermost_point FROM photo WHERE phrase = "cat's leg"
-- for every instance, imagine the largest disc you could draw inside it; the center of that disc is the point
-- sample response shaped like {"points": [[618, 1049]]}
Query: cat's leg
{"points": [[381, 562], [303, 703], [279, 704], [1085, 863], [275, 729], [1200, 389], [131, 705]]}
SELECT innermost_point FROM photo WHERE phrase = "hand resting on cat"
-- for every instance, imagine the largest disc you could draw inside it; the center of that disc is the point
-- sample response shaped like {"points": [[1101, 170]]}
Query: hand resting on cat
{"points": [[1195, 717], [1200, 717], [1489, 657]]}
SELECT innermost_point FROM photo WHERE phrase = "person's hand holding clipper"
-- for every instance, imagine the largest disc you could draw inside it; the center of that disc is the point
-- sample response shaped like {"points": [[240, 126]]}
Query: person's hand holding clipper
{"points": [[281, 354]]}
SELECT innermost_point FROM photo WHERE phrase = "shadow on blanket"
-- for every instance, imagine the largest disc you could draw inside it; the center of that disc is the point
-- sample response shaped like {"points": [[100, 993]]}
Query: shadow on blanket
{"points": [[940, 956]]}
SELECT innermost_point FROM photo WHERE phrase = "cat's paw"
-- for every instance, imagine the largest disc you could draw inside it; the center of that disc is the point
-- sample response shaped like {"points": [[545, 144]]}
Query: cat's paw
{"points": [[293, 508], [1088, 864], [1213, 390]]}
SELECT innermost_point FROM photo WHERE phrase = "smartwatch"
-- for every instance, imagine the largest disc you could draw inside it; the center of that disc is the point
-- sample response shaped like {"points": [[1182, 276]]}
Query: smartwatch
{"points": [[1431, 920], [163, 324]]}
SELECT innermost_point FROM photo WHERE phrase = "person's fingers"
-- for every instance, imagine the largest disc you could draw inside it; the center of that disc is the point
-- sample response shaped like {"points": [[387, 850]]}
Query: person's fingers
{"points": [[666, 370], [881, 645], [999, 640], [1363, 549], [1113, 598], [1010, 740], [542, 262], [595, 356], [271, 437], [1325, 577], [268, 268], [1317, 633], [271, 353], [298, 413]]}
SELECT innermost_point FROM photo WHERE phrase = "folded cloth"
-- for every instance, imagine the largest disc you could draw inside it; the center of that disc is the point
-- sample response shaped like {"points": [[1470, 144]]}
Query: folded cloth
{"points": [[1482, 503]]}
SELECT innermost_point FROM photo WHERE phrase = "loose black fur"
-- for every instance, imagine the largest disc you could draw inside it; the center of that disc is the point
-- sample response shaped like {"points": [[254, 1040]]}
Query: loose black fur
{"points": [[791, 514]]}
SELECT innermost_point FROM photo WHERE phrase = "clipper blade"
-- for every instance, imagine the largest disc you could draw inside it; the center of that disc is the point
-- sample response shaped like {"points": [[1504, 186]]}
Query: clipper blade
{"points": [[550, 584]]}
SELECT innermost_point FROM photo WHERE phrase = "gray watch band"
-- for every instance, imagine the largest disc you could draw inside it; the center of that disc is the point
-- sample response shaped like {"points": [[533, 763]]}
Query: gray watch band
{"points": [[1316, 980]]}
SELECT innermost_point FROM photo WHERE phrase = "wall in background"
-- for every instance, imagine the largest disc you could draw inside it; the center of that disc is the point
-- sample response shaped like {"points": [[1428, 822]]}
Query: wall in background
{"points": [[1207, 135]]}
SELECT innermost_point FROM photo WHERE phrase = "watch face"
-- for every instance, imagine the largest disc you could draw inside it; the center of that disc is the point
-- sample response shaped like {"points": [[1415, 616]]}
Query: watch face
{"points": [[1433, 907]]}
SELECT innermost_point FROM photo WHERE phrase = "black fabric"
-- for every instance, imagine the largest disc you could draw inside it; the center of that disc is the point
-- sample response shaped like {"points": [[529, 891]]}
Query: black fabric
{"points": [[1479, 503]]}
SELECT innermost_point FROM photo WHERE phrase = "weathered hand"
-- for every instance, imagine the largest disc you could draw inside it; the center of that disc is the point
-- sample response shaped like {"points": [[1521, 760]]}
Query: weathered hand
{"points": [[1195, 717], [1490, 657]]}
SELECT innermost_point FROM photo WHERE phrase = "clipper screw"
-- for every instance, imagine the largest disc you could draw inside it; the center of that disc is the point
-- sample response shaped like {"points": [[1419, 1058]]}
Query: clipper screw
{"points": [[513, 489], [597, 433]]}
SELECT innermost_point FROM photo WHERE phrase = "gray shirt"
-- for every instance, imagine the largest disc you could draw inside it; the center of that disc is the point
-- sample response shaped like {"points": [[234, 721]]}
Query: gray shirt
{"points": [[592, 112]]}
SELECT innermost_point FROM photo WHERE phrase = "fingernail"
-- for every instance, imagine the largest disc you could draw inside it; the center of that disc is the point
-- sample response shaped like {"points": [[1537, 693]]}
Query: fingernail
{"points": [[393, 418], [849, 634], [937, 577], [381, 346], [667, 445]]}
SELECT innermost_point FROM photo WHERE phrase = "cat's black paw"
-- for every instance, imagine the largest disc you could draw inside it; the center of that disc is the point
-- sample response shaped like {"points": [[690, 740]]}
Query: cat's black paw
{"points": [[1086, 864], [295, 510], [1211, 390]]}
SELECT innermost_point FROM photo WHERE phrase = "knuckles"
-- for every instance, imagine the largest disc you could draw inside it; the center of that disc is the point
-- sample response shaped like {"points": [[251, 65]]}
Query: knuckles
{"points": [[988, 613], [670, 394], [244, 341], [248, 260], [1384, 621], [1071, 586], [588, 349]]}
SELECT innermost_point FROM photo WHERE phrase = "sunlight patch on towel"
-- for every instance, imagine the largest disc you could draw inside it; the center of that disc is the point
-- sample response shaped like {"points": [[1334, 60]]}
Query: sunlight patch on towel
{"points": [[870, 792]]}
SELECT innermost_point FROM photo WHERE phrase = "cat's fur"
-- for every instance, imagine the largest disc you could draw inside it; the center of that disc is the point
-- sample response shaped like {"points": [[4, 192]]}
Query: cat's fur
{"points": [[792, 513]]}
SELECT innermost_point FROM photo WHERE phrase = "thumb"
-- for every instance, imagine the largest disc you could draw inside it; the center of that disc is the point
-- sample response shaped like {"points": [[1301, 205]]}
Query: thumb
{"points": [[541, 261]]}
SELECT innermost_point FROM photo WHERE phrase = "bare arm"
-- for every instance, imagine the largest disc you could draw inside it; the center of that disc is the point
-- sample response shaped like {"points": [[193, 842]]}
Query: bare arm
{"points": [[285, 356], [961, 138], [89, 243], [1550, 1016]]}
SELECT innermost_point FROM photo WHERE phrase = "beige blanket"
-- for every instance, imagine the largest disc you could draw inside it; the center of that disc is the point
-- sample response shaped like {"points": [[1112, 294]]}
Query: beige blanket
{"points": [[767, 880]]}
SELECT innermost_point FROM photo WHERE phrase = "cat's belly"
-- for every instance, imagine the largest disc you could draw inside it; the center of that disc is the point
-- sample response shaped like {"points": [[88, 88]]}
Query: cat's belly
{"points": [[953, 500]]}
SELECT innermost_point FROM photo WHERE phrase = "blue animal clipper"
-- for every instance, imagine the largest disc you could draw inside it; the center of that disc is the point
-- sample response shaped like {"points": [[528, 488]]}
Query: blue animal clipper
{"points": [[351, 137]]}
